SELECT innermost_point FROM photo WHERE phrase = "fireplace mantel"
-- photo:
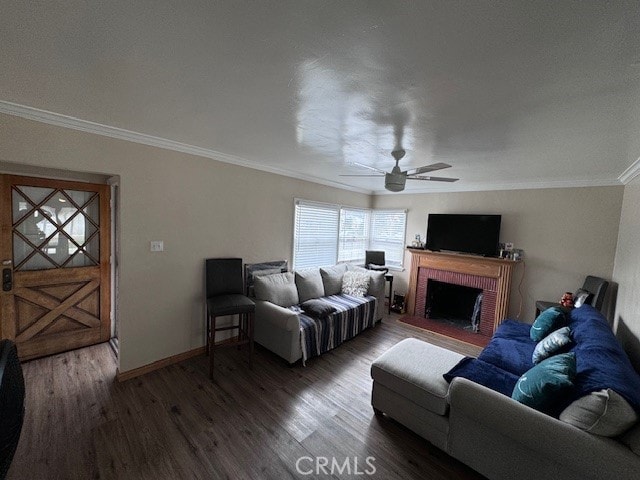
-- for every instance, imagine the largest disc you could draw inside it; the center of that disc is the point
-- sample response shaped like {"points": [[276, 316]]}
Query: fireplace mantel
{"points": [[492, 275]]}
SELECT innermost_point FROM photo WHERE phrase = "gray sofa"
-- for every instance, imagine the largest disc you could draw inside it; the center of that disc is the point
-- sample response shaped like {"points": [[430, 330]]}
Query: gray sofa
{"points": [[488, 431], [277, 318]]}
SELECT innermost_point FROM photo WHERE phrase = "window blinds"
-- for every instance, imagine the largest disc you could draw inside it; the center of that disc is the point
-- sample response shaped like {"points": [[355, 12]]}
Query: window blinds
{"points": [[325, 234], [315, 236], [354, 234], [388, 234]]}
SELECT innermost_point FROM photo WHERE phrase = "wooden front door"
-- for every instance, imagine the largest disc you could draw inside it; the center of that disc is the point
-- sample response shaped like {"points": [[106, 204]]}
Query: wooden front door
{"points": [[54, 249]]}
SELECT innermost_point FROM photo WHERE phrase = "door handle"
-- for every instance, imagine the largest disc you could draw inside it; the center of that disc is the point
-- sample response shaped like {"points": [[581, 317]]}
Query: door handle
{"points": [[7, 280]]}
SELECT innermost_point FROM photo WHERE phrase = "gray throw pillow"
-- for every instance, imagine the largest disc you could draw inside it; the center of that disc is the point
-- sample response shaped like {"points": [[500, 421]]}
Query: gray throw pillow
{"points": [[309, 284], [551, 344], [316, 308], [376, 283], [259, 273], [603, 413], [332, 278], [279, 288]]}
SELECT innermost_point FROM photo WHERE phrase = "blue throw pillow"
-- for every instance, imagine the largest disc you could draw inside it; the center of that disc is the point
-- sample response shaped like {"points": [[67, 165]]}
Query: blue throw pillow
{"points": [[552, 343], [548, 321], [547, 384]]}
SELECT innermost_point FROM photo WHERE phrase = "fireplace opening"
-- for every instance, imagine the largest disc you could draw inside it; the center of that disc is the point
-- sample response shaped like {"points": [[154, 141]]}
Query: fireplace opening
{"points": [[456, 305]]}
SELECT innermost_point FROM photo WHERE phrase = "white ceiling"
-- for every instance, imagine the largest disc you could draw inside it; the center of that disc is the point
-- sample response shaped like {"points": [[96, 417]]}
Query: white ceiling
{"points": [[513, 94]]}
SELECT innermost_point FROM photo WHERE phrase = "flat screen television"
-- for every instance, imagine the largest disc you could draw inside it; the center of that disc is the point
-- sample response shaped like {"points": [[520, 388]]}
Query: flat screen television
{"points": [[477, 234]]}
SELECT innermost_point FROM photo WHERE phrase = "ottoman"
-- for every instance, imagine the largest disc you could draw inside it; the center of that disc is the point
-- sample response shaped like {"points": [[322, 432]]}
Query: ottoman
{"points": [[408, 387]]}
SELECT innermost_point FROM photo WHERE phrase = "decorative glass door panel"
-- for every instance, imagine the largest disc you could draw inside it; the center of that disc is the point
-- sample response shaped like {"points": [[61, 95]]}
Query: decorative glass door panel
{"points": [[55, 242]]}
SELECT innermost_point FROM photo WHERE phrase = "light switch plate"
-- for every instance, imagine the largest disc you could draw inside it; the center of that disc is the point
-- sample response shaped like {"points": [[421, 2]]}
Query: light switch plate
{"points": [[157, 246]]}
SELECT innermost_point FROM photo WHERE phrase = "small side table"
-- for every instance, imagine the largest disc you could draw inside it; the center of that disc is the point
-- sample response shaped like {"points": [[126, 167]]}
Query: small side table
{"points": [[389, 279]]}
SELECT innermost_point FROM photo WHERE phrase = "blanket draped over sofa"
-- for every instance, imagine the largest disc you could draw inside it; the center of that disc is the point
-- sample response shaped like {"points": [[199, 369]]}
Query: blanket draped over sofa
{"points": [[304, 314], [601, 361], [352, 316]]}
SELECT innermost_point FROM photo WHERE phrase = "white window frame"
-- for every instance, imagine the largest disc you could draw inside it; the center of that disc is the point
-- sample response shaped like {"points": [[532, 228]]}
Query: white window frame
{"points": [[340, 255], [394, 248], [298, 255], [362, 237]]}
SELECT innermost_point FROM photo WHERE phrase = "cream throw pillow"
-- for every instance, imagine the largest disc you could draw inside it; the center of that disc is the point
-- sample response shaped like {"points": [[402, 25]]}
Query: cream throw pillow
{"points": [[355, 283]]}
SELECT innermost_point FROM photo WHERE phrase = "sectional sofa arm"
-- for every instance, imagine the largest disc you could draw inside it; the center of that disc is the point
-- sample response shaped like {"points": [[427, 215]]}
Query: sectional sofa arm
{"points": [[547, 436], [278, 316]]}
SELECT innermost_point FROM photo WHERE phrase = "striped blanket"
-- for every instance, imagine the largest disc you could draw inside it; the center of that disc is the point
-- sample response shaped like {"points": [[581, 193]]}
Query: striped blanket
{"points": [[352, 316]]}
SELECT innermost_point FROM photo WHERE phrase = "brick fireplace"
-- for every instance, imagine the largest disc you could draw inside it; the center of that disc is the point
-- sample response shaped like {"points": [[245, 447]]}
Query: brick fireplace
{"points": [[490, 275]]}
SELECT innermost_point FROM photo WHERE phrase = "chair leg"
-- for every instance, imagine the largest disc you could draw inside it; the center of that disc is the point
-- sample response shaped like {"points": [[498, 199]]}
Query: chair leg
{"points": [[212, 343], [250, 324], [208, 334], [241, 323]]}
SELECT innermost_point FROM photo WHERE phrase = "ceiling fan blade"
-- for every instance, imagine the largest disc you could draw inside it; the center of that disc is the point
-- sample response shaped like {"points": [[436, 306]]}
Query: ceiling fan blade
{"points": [[367, 166], [434, 179], [363, 175], [427, 168]]}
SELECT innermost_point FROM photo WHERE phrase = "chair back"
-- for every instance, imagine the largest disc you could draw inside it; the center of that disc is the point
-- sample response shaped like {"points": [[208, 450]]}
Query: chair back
{"points": [[598, 287], [11, 403], [375, 257], [224, 276]]}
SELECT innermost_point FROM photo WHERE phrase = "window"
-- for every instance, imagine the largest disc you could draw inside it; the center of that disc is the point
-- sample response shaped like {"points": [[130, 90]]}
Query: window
{"points": [[387, 233], [315, 234], [325, 234], [354, 234]]}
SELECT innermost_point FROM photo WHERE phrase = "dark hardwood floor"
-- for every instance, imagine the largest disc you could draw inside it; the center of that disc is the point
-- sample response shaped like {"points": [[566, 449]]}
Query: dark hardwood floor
{"points": [[176, 424]]}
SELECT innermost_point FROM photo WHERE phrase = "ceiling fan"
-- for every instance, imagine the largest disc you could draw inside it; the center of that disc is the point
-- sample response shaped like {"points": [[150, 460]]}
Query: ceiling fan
{"points": [[395, 180]]}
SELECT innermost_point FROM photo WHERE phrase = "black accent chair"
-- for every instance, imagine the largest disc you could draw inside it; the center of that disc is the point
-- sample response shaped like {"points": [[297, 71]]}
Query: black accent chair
{"points": [[595, 285], [225, 296], [11, 404], [374, 260]]}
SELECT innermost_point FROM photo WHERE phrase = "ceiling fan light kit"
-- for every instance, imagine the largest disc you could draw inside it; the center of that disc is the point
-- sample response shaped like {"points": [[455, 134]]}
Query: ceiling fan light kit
{"points": [[394, 182]]}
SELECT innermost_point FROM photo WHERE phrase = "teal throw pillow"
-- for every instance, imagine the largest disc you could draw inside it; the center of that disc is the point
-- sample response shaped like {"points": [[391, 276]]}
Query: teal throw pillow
{"points": [[548, 321], [546, 383], [551, 344]]}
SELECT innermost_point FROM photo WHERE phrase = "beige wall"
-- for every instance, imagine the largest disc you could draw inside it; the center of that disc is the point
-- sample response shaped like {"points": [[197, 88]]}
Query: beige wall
{"points": [[627, 272], [199, 207], [566, 234], [202, 208]]}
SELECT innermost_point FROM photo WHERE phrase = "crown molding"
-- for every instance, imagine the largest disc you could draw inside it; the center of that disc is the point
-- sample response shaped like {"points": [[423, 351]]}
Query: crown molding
{"points": [[602, 182], [631, 172], [74, 123]]}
